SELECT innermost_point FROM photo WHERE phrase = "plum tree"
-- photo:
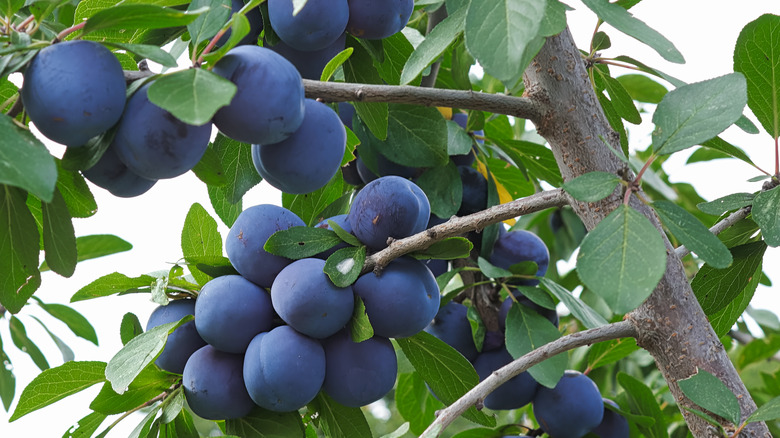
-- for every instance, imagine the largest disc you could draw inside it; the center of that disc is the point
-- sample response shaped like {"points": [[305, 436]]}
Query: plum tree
{"points": [[390, 206], [402, 301], [250, 231], [283, 369], [316, 26], [74, 91], [377, 19], [572, 408], [113, 175], [184, 341], [306, 299], [269, 104], [310, 64], [231, 311], [213, 383], [155, 144], [358, 373], [516, 393], [306, 160]]}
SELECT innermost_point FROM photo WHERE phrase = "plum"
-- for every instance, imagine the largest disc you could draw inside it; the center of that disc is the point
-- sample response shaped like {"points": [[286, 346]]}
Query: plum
{"points": [[521, 246], [283, 369], [268, 106], [437, 266], [513, 394], [310, 64], [613, 425], [184, 341], [357, 374], [306, 160], [401, 301], [385, 167], [73, 91], [111, 174], [350, 173], [377, 19], [571, 409], [306, 299], [475, 191], [213, 384], [389, 206], [244, 244], [153, 143], [232, 310], [341, 221], [550, 314], [466, 159], [255, 25], [346, 113], [452, 326], [314, 27]]}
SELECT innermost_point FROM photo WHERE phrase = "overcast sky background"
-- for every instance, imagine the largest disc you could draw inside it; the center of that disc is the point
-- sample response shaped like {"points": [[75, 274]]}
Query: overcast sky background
{"points": [[704, 31]]}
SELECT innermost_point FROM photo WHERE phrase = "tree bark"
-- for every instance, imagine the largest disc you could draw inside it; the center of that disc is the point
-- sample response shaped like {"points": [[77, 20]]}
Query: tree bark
{"points": [[670, 324]]}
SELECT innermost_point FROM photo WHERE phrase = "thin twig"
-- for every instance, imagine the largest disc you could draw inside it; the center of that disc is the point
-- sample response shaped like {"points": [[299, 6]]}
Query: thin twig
{"points": [[496, 103], [622, 329], [434, 18], [460, 225], [681, 251]]}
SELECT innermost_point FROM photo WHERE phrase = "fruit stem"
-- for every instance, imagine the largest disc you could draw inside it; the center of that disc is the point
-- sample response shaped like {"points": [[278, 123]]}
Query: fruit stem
{"points": [[136, 409], [69, 31], [593, 37], [23, 24], [10, 100]]}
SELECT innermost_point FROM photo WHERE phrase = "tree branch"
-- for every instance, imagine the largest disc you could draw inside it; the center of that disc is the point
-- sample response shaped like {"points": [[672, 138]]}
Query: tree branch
{"points": [[496, 103], [460, 225], [434, 18], [622, 329], [681, 251]]}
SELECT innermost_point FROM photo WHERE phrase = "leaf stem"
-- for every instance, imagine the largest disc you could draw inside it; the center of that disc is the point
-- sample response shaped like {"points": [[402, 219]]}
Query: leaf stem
{"points": [[634, 186], [23, 24], [681, 251], [616, 64], [69, 31], [197, 62], [136, 409]]}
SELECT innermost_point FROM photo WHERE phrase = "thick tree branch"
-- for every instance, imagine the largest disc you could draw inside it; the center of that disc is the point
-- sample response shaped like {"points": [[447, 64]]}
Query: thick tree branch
{"points": [[622, 329], [495, 103], [460, 225], [733, 218]]}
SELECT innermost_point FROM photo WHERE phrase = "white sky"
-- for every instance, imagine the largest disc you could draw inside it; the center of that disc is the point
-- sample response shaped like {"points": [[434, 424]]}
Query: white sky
{"points": [[703, 30]]}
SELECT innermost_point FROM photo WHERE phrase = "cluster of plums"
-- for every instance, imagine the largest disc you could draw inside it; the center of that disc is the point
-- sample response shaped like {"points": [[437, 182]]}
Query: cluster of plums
{"points": [[74, 91], [277, 334]]}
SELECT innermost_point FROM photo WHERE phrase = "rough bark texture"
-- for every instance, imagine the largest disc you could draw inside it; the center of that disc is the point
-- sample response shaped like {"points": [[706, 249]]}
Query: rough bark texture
{"points": [[671, 325]]}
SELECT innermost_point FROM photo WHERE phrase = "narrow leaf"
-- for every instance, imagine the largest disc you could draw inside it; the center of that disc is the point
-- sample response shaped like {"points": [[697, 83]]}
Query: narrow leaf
{"points": [[727, 203], [641, 400], [359, 325], [527, 330], [200, 238], [693, 234], [139, 16], [24, 343], [333, 65], [75, 321], [262, 423], [446, 249], [59, 238], [148, 51], [111, 284], [609, 352], [25, 162], [7, 379], [210, 22], [767, 412], [434, 44], [712, 394], [589, 317], [19, 246], [766, 213]]}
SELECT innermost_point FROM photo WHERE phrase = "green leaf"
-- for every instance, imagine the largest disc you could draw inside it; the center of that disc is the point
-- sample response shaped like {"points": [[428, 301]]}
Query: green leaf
{"points": [[621, 100], [446, 249], [57, 383], [359, 325], [622, 20], [718, 144], [698, 112], [310, 206], [65, 350], [498, 31], [75, 321], [769, 411], [240, 173], [59, 238], [150, 383], [693, 234], [213, 266], [727, 203], [396, 49], [442, 185], [80, 201], [458, 141], [609, 352], [139, 16], [640, 400], [449, 374], [490, 270], [755, 57], [359, 68], [527, 330], [210, 22], [226, 211], [87, 426], [25, 162], [343, 234], [209, 169], [592, 186], [766, 213], [301, 242], [417, 136], [7, 379], [335, 63], [537, 158], [148, 51], [25, 344], [434, 44], [9, 7], [129, 328], [239, 28], [723, 320], [193, 95], [338, 421], [199, 238], [414, 402], [716, 288], [142, 350], [622, 259], [114, 283], [589, 317], [19, 246], [712, 394], [343, 266], [642, 89], [262, 423]]}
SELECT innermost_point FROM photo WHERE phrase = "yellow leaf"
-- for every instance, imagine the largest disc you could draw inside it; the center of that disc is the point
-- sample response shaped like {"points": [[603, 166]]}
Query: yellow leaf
{"points": [[446, 112], [503, 193]]}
